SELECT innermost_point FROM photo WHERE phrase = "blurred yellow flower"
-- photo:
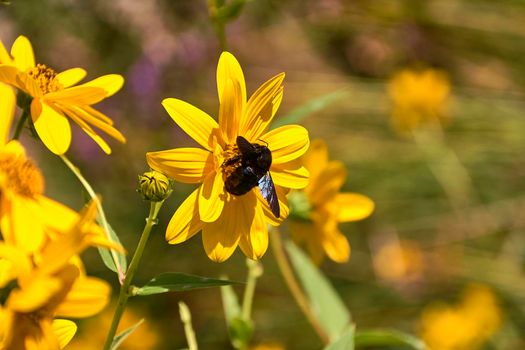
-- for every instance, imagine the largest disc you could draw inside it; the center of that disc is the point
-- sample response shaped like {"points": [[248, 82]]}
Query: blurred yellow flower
{"points": [[54, 97], [228, 220], [267, 346], [317, 211], [51, 283], [418, 97], [465, 326], [93, 333], [399, 261]]}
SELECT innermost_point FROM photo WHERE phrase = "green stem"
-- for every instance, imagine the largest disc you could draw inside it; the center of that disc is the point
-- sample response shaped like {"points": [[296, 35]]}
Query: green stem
{"points": [[125, 291], [185, 317], [255, 271], [101, 213], [21, 122]]}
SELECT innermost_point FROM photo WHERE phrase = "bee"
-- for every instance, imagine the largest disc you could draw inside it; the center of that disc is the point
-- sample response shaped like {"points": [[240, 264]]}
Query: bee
{"points": [[253, 170]]}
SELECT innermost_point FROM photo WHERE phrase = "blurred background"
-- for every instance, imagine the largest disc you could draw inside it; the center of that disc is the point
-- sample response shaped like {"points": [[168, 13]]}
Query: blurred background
{"points": [[445, 247]]}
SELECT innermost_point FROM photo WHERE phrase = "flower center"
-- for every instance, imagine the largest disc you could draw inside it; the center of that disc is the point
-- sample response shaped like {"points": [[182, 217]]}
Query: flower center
{"points": [[232, 160], [21, 175], [45, 77]]}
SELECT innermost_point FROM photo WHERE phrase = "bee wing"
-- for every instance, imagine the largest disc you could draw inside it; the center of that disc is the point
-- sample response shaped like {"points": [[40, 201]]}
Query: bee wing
{"points": [[244, 146], [267, 189]]}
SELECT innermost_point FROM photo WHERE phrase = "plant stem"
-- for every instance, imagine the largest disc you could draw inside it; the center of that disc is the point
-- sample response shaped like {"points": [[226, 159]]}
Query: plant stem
{"points": [[255, 270], [125, 292], [185, 317], [293, 285], [101, 214], [21, 122]]}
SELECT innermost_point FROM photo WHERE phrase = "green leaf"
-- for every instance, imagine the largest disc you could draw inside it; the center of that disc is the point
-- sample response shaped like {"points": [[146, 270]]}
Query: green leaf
{"points": [[314, 105], [117, 341], [383, 337], [329, 309], [344, 342], [107, 255], [239, 330], [178, 282]]}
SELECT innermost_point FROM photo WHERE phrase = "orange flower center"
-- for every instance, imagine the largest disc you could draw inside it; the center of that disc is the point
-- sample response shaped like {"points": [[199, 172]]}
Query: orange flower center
{"points": [[20, 175], [45, 77], [232, 160]]}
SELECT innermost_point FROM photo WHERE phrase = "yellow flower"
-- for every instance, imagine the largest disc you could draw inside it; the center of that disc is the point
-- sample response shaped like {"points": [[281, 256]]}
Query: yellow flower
{"points": [[418, 97], [465, 326], [399, 261], [317, 211], [55, 96], [228, 220], [51, 283]]}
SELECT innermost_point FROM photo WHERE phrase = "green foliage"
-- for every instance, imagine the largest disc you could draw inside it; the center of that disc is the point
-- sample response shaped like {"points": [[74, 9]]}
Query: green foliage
{"points": [[344, 342], [117, 341], [178, 282], [384, 337], [107, 255], [240, 331], [326, 303]]}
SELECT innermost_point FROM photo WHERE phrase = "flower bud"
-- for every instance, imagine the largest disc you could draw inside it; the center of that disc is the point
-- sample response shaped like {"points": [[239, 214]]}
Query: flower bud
{"points": [[154, 186]]}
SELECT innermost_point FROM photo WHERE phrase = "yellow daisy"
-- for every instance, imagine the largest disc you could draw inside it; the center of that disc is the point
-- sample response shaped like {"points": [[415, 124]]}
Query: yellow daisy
{"points": [[56, 97], [229, 220], [25, 213], [317, 211], [51, 284]]}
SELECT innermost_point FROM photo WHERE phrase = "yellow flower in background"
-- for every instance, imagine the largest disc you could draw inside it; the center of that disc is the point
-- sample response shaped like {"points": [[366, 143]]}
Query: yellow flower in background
{"points": [[418, 97], [465, 326], [397, 261], [317, 211], [51, 283], [93, 332], [56, 97], [228, 220]]}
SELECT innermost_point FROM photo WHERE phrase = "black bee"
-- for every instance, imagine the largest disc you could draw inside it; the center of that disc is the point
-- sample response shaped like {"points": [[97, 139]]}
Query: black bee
{"points": [[255, 161]]}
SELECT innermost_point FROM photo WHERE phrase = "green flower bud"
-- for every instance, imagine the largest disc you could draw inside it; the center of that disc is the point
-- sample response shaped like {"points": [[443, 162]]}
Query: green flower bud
{"points": [[300, 207], [154, 186]]}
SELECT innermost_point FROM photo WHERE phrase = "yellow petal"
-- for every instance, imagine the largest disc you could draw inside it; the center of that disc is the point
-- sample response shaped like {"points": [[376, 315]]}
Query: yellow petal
{"points": [[52, 127], [71, 76], [211, 197], [254, 239], [287, 143], [56, 216], [28, 84], [290, 175], [229, 68], [220, 238], [5, 58], [87, 297], [316, 158], [96, 114], [9, 75], [196, 123], [27, 235], [283, 205], [185, 223], [188, 165], [328, 183], [84, 113], [22, 53], [307, 235], [64, 330], [110, 83], [77, 95], [230, 110], [353, 206], [7, 111], [15, 260], [336, 246], [88, 130], [34, 295], [14, 148], [261, 108]]}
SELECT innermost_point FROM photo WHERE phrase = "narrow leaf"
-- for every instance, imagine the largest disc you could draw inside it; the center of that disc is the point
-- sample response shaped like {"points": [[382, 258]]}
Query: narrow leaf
{"points": [[230, 303], [344, 342], [314, 105], [329, 309], [239, 330], [178, 282], [117, 341], [383, 337], [107, 255]]}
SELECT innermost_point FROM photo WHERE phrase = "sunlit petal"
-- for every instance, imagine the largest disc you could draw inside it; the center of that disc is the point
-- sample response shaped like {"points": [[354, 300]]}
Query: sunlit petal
{"points": [[64, 330], [230, 110], [22, 53], [290, 175], [71, 76], [52, 127], [9, 75], [283, 205], [316, 159], [87, 297], [336, 246], [78, 95], [5, 57], [229, 68], [328, 183], [188, 165], [196, 123], [287, 143], [110, 83], [254, 238], [211, 197], [220, 238], [185, 223], [7, 110]]}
